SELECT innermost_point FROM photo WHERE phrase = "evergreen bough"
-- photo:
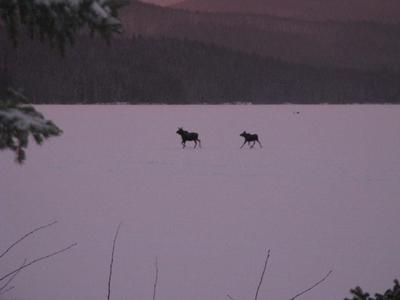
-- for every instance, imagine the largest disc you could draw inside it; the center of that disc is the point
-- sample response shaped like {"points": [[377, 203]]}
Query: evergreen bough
{"points": [[18, 122], [58, 22], [390, 294]]}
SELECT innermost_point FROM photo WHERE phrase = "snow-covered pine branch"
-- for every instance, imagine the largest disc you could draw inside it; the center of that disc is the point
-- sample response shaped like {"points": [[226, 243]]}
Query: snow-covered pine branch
{"points": [[58, 21], [18, 122]]}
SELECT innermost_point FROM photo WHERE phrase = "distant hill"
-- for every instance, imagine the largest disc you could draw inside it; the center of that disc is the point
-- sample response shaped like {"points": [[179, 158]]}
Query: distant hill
{"points": [[174, 56], [163, 2], [148, 70], [321, 10], [365, 45]]}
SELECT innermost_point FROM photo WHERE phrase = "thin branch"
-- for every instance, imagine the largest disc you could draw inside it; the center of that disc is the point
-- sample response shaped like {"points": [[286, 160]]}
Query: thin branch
{"points": [[25, 236], [262, 274], [313, 286], [155, 280], [4, 287], [7, 290], [38, 260], [230, 297], [112, 261]]}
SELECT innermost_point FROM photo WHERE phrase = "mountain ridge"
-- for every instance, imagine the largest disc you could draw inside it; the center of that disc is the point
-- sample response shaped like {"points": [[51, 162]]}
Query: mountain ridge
{"points": [[318, 10], [364, 45]]}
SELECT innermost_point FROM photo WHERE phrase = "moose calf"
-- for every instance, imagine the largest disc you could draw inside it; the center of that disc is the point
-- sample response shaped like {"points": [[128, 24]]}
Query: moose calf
{"points": [[248, 137]]}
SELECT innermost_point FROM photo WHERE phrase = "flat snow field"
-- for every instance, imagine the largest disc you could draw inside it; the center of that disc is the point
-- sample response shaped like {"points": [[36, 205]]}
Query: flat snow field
{"points": [[322, 194]]}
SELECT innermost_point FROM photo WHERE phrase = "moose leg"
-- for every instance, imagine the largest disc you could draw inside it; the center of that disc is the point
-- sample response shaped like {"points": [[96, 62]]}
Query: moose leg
{"points": [[199, 143], [252, 145], [195, 144], [259, 143], [183, 144], [243, 144]]}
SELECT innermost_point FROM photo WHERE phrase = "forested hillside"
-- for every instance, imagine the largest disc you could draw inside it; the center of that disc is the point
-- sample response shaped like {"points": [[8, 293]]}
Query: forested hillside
{"points": [[173, 56], [147, 70], [322, 10], [365, 45]]}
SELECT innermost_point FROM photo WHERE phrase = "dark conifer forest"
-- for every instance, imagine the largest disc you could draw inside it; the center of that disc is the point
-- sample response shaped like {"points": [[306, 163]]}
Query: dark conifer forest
{"points": [[165, 70], [174, 56]]}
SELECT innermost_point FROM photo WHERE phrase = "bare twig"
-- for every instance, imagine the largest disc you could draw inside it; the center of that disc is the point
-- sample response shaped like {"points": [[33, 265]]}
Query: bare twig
{"points": [[155, 280], [4, 287], [7, 290], [230, 297], [262, 274], [37, 260], [261, 278], [112, 261], [313, 286], [25, 236]]}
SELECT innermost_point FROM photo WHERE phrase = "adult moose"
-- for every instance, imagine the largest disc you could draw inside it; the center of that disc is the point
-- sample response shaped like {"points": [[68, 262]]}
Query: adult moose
{"points": [[248, 137], [188, 136]]}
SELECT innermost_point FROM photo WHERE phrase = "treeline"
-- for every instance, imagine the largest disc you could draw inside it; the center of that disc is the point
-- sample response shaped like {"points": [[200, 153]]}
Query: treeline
{"points": [[339, 10], [358, 45], [145, 70]]}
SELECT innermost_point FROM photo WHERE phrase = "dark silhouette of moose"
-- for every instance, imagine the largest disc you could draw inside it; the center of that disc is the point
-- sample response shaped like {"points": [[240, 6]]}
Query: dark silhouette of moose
{"points": [[248, 137], [188, 136]]}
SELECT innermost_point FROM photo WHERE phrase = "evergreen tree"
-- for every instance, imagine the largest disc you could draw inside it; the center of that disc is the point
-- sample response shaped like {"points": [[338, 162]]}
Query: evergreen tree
{"points": [[18, 121], [58, 22], [390, 294]]}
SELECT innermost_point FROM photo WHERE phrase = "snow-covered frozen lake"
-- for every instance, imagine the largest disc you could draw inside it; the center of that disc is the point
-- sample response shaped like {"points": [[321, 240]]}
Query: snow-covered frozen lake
{"points": [[322, 194]]}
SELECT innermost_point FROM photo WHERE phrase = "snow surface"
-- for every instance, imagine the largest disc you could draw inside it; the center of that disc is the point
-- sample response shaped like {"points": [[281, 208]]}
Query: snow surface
{"points": [[322, 194]]}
